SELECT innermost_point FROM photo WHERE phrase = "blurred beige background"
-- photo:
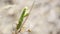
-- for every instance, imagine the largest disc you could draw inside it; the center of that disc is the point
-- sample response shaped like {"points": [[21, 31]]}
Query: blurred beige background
{"points": [[44, 17]]}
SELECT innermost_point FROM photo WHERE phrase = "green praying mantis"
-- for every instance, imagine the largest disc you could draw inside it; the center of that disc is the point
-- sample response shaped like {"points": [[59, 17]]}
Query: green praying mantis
{"points": [[25, 13]]}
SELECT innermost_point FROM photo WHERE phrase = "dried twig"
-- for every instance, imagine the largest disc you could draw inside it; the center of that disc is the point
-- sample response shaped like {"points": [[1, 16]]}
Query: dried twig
{"points": [[20, 24], [27, 16]]}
